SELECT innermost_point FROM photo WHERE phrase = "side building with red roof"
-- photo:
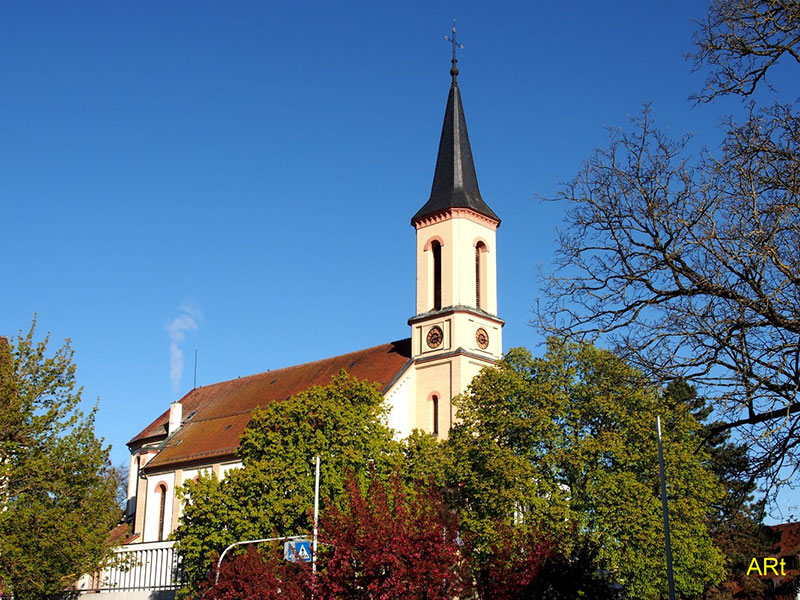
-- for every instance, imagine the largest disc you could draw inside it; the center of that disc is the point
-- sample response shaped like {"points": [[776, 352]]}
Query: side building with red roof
{"points": [[455, 332]]}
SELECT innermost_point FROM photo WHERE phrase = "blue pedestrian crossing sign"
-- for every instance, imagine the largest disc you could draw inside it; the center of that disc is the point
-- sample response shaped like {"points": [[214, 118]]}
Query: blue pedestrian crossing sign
{"points": [[297, 550]]}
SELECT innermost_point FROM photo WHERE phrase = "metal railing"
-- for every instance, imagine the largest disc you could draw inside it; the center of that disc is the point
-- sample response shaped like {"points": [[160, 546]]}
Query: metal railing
{"points": [[147, 566]]}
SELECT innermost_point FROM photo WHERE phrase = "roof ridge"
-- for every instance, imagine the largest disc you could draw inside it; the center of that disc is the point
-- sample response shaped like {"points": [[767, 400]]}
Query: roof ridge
{"points": [[288, 367], [216, 414]]}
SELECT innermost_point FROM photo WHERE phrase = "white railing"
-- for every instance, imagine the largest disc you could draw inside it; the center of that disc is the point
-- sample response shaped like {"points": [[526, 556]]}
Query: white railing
{"points": [[147, 566]]}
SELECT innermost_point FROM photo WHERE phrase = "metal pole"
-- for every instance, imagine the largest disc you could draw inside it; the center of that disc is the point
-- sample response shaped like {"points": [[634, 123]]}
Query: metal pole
{"points": [[316, 519], [670, 580]]}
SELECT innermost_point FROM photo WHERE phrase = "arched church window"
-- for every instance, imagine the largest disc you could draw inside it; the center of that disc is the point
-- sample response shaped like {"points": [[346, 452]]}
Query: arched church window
{"points": [[436, 248], [435, 406], [480, 275], [162, 492]]}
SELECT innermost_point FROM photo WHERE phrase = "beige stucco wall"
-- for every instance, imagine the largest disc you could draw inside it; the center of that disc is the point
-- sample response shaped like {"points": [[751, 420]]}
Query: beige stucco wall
{"points": [[149, 508], [153, 508], [137, 487], [401, 411], [458, 236], [448, 369]]}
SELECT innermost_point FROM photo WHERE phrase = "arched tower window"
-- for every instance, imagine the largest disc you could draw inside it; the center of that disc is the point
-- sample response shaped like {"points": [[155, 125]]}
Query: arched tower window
{"points": [[436, 248], [480, 274], [435, 406], [162, 492]]}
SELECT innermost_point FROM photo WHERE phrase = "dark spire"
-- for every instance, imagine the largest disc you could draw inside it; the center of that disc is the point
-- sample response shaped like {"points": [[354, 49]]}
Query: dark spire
{"points": [[455, 184]]}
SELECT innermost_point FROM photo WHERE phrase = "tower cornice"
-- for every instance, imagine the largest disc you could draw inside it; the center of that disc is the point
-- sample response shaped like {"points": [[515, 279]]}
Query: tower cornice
{"points": [[451, 213], [449, 310]]}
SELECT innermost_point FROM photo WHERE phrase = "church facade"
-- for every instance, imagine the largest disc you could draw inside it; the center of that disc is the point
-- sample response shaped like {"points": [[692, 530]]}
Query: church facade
{"points": [[455, 332]]}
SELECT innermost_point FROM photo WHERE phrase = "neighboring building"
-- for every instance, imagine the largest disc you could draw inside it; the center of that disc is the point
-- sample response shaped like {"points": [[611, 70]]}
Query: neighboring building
{"points": [[786, 550], [454, 333], [777, 570]]}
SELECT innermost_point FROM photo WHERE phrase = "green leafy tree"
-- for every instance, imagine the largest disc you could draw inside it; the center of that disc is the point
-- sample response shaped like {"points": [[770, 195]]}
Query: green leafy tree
{"points": [[736, 520], [566, 445], [57, 493], [273, 494], [425, 460]]}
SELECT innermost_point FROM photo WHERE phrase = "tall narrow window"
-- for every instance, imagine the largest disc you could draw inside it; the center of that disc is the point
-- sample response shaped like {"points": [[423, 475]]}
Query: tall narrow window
{"points": [[477, 276], [162, 490], [480, 248], [435, 403], [436, 248]]}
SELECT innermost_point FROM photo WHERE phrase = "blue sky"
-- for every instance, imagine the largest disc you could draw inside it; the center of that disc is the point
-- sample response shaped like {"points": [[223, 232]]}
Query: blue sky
{"points": [[239, 177]]}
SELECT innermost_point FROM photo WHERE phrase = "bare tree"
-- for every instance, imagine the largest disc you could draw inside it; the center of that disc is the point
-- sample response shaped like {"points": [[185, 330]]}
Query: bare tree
{"points": [[690, 266], [120, 475], [740, 40], [692, 269]]}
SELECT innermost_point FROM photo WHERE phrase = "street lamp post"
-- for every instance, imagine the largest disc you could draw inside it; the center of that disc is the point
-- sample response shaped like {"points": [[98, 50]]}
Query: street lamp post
{"points": [[670, 580]]}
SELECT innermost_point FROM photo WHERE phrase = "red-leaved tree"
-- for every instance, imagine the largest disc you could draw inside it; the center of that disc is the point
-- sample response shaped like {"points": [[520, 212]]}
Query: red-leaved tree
{"points": [[391, 543], [258, 575], [513, 567]]}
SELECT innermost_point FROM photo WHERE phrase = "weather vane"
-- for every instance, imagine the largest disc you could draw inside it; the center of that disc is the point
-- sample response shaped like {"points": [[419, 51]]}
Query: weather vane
{"points": [[460, 46]]}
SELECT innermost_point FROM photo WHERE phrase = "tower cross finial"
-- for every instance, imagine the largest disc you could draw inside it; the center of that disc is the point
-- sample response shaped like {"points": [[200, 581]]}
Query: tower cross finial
{"points": [[452, 40]]}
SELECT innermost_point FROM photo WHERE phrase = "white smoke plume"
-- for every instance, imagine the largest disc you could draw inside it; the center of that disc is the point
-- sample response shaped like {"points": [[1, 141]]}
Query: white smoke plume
{"points": [[187, 320]]}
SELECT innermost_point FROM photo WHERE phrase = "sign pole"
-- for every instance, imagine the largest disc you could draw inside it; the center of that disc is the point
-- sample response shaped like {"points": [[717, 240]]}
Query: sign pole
{"points": [[316, 519], [670, 580]]}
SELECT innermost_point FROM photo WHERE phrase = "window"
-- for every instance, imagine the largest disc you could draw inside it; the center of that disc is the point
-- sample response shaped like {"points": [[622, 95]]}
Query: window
{"points": [[435, 403], [436, 248], [480, 249], [162, 491]]}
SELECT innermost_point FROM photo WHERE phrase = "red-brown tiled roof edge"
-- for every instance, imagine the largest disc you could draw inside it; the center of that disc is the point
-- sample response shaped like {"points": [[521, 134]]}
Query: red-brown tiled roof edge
{"points": [[215, 415], [789, 542], [121, 534]]}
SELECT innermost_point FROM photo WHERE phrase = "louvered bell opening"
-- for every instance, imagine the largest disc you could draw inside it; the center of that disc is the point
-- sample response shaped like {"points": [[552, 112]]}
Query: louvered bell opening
{"points": [[477, 277], [437, 276]]}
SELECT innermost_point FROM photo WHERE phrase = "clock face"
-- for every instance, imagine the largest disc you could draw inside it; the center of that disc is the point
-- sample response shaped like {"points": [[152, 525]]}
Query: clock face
{"points": [[482, 338], [435, 337]]}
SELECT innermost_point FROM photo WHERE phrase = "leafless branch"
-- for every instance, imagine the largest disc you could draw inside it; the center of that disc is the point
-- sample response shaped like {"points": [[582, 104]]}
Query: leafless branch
{"points": [[691, 267]]}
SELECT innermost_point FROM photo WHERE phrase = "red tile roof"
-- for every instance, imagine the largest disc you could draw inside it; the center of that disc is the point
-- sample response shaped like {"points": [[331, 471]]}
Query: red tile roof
{"points": [[215, 415], [789, 542], [121, 534]]}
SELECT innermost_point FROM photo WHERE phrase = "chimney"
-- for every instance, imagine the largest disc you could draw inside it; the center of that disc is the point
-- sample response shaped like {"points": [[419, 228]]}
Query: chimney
{"points": [[175, 415]]}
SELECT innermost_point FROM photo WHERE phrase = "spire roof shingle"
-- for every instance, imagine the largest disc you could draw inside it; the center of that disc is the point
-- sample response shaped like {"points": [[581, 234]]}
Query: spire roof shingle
{"points": [[455, 184]]}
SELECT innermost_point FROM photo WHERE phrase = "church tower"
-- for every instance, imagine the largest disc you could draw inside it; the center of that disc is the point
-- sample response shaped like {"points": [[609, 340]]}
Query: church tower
{"points": [[456, 330]]}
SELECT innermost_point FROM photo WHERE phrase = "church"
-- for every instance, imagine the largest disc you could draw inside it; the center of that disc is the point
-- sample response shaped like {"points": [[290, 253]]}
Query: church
{"points": [[455, 332]]}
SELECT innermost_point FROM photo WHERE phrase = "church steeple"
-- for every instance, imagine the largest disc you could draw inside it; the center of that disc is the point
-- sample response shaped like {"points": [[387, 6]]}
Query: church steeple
{"points": [[455, 184], [455, 331]]}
